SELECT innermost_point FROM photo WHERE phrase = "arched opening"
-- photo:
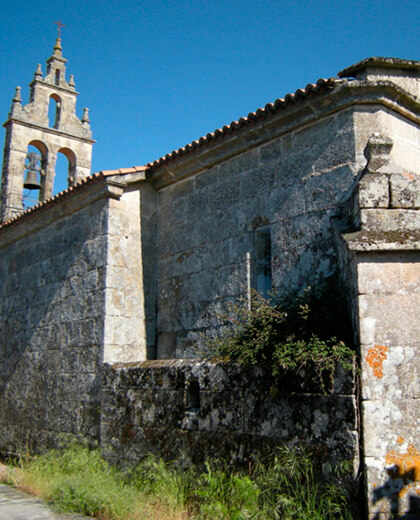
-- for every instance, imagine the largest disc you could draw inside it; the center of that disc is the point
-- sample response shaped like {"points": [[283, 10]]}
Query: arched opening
{"points": [[54, 111], [34, 174], [65, 169]]}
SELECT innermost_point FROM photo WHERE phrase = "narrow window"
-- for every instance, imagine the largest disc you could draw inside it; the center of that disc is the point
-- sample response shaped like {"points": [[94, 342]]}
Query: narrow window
{"points": [[65, 170], [263, 261], [193, 396], [54, 111], [57, 77]]}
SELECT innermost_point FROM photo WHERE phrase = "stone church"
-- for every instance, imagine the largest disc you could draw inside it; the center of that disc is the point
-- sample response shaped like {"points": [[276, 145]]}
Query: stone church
{"points": [[110, 288]]}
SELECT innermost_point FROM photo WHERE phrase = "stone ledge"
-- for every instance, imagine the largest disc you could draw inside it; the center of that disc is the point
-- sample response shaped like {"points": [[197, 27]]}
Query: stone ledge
{"points": [[377, 61], [383, 240]]}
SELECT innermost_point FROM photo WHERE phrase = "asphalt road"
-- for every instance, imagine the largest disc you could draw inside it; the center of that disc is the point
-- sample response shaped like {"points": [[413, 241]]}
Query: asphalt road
{"points": [[15, 505]]}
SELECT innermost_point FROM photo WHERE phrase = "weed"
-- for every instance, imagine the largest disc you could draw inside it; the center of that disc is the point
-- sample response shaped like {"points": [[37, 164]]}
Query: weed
{"points": [[281, 485], [288, 336]]}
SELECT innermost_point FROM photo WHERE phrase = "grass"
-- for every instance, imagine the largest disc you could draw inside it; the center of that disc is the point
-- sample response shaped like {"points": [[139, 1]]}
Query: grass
{"points": [[283, 486]]}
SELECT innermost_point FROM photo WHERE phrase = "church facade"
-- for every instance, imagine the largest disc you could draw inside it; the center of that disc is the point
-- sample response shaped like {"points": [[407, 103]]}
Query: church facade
{"points": [[128, 271]]}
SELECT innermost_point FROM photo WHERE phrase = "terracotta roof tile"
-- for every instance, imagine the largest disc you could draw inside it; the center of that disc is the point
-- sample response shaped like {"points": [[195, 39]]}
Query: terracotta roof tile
{"points": [[121, 171], [76, 187], [53, 200], [261, 113]]}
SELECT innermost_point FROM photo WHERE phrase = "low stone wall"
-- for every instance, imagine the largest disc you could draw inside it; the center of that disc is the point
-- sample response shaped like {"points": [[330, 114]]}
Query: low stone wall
{"points": [[206, 409]]}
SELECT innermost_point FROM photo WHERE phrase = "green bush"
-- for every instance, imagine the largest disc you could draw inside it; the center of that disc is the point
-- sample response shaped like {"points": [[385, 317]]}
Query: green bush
{"points": [[305, 332]]}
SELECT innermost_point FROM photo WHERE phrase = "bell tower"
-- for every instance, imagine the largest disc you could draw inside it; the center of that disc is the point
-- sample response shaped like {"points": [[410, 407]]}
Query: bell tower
{"points": [[37, 132]]}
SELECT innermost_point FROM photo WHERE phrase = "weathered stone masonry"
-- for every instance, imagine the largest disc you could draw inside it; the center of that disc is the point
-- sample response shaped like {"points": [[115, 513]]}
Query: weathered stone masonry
{"points": [[384, 261], [215, 409], [136, 264], [30, 125]]}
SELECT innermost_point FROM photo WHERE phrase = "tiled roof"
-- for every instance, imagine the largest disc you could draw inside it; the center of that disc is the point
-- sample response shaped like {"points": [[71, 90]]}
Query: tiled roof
{"points": [[122, 171], [271, 108], [261, 113], [53, 200], [76, 187]]}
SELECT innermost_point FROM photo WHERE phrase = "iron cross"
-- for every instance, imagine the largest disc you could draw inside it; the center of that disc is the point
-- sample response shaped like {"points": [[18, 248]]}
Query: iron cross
{"points": [[59, 26]]}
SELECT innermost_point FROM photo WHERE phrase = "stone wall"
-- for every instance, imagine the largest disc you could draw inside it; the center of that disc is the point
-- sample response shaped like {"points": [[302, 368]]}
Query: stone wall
{"points": [[143, 261], [52, 279], [207, 226], [124, 313], [389, 300], [383, 266], [201, 409]]}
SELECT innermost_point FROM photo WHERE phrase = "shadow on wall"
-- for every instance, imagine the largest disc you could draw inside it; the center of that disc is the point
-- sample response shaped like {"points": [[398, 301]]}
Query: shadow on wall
{"points": [[292, 186], [50, 300], [394, 490]]}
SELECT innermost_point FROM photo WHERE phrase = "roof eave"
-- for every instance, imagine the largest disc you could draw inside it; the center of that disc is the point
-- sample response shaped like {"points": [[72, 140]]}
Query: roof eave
{"points": [[233, 141], [380, 62]]}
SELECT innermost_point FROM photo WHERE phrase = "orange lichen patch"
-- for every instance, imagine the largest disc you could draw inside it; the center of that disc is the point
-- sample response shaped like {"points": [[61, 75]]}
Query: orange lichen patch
{"points": [[400, 440], [405, 466], [375, 357], [408, 175]]}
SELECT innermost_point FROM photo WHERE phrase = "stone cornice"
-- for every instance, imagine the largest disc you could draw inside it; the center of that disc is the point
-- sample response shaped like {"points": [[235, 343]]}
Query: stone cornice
{"points": [[48, 130], [43, 82], [382, 241], [346, 94], [379, 62], [50, 212]]}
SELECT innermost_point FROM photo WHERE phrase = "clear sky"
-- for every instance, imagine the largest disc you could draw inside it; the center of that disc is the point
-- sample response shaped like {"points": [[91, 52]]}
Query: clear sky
{"points": [[158, 74]]}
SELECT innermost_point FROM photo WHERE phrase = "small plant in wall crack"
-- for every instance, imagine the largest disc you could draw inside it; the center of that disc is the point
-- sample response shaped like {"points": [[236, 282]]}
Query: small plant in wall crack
{"points": [[305, 334]]}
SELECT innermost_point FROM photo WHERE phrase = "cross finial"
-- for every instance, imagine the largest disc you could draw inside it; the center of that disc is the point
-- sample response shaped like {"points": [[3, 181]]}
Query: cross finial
{"points": [[59, 26]]}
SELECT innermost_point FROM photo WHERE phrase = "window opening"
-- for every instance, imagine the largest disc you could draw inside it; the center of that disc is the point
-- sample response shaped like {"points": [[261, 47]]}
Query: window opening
{"points": [[34, 170], [193, 396], [54, 111], [57, 77], [263, 261], [65, 167]]}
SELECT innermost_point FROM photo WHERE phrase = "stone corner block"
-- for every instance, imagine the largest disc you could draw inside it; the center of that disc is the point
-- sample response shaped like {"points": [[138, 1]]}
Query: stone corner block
{"points": [[373, 191], [405, 191]]}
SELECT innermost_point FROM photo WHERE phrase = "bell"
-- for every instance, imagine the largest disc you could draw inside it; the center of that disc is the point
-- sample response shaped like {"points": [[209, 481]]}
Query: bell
{"points": [[31, 182]]}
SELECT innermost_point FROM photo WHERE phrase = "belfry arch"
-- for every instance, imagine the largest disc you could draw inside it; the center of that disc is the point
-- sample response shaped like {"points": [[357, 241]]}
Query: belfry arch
{"points": [[54, 111], [34, 175], [71, 162], [48, 122]]}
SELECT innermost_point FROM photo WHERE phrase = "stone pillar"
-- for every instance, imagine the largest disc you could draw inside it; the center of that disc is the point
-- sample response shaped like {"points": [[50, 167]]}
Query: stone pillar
{"points": [[148, 230], [130, 321], [12, 179], [384, 264], [49, 174]]}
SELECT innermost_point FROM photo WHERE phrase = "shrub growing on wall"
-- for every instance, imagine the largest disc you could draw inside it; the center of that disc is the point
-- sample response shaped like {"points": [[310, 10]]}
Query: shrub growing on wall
{"points": [[308, 332]]}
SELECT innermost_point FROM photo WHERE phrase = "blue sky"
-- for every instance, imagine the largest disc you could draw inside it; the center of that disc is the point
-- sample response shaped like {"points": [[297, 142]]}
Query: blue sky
{"points": [[157, 75]]}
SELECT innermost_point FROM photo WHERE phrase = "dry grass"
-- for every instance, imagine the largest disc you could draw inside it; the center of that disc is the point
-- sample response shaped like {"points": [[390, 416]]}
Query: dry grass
{"points": [[33, 483], [4, 473], [79, 480]]}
